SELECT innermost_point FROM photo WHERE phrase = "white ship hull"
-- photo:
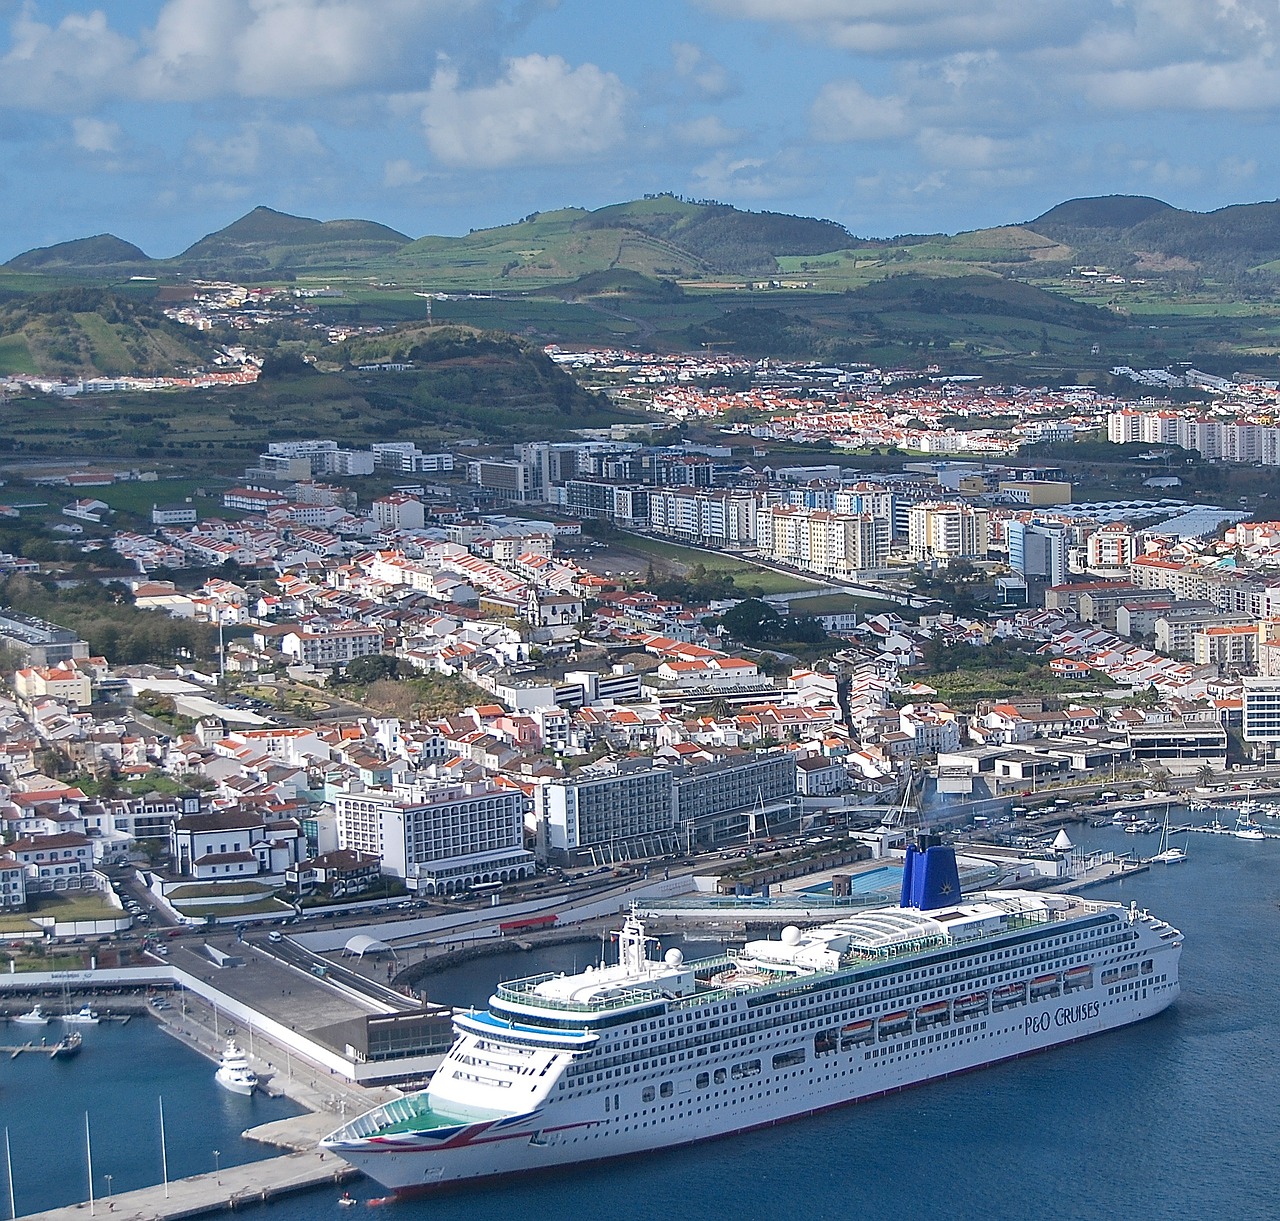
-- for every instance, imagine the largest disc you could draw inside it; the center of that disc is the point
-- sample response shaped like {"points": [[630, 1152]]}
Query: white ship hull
{"points": [[548, 1139], [752, 1046], [235, 1082]]}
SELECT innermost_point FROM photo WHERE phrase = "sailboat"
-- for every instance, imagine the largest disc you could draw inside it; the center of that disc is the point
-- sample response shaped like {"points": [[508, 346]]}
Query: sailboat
{"points": [[1168, 854], [1247, 827]]}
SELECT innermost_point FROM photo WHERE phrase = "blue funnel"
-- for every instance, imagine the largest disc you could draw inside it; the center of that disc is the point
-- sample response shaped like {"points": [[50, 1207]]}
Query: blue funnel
{"points": [[930, 879]]}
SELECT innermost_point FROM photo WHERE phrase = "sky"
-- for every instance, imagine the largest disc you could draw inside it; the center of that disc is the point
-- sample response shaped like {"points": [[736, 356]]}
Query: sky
{"points": [[163, 120]]}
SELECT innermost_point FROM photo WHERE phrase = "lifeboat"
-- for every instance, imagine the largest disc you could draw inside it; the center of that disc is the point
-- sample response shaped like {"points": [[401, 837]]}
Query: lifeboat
{"points": [[895, 1023], [1008, 994], [933, 1014], [857, 1032], [1078, 977], [975, 1002]]}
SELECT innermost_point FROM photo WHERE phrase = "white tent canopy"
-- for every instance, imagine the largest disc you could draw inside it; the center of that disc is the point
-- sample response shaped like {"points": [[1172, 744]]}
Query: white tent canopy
{"points": [[363, 944]]}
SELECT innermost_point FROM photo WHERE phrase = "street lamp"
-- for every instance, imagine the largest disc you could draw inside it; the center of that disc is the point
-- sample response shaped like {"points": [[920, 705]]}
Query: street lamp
{"points": [[217, 1163], [108, 1178]]}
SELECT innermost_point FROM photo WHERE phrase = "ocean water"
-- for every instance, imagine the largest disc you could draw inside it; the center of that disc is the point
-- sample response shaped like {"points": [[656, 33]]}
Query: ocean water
{"points": [[118, 1078], [1174, 1118]]}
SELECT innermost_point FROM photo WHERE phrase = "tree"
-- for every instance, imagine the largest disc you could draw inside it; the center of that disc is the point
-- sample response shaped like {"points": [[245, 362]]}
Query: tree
{"points": [[372, 668], [752, 621]]}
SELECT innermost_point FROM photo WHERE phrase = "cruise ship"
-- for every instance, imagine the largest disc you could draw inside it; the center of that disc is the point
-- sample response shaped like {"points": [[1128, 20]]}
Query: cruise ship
{"points": [[656, 1051]]}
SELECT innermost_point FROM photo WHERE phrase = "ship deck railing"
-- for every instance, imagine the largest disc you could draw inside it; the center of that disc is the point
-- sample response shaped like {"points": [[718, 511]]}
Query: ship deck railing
{"points": [[412, 1113]]}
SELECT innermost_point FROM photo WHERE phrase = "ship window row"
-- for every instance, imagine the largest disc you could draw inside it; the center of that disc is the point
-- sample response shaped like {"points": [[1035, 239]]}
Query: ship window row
{"points": [[676, 1049]]}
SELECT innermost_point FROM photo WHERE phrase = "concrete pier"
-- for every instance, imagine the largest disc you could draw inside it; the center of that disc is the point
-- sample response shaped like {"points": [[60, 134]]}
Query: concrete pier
{"points": [[230, 1188]]}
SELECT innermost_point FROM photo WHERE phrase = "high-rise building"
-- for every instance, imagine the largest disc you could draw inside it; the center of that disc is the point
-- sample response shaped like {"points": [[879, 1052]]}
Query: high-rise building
{"points": [[946, 531]]}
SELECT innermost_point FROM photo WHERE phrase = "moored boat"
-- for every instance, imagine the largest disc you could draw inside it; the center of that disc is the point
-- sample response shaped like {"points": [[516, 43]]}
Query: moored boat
{"points": [[33, 1017], [84, 1016], [561, 1069], [1248, 828], [68, 1046], [234, 1071]]}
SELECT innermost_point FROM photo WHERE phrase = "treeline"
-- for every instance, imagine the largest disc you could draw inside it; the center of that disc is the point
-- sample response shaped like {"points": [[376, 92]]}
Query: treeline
{"points": [[758, 332], [106, 618]]}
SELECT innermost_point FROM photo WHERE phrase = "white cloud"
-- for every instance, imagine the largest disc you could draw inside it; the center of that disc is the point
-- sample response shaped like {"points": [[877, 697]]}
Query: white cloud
{"points": [[67, 67], [756, 178], [964, 150], [1246, 85], [709, 131], [202, 49], [96, 135], [541, 111], [284, 48], [895, 26], [696, 68], [401, 172], [257, 147], [844, 110]]}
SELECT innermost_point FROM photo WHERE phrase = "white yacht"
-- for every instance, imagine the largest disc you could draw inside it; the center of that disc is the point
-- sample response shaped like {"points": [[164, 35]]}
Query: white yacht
{"points": [[234, 1072], [1247, 827], [1169, 854], [655, 1051], [33, 1017], [84, 1016]]}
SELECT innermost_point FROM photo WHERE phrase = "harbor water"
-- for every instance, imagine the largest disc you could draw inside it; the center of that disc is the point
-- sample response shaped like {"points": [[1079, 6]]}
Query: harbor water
{"points": [[1172, 1118], [118, 1079]]}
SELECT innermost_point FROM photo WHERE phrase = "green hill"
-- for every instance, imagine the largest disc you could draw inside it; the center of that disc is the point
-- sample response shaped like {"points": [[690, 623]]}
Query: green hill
{"points": [[1101, 212], [1151, 236], [265, 240], [89, 332], [660, 236], [105, 251]]}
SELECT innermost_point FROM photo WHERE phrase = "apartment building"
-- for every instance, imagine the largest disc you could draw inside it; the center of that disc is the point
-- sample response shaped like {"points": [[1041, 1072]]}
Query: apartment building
{"points": [[941, 531], [331, 646], [817, 540], [710, 517], [440, 840]]}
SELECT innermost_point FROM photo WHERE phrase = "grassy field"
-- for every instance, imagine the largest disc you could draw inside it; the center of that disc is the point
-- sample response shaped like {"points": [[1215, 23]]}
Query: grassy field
{"points": [[219, 889], [15, 923], [838, 604], [15, 356], [266, 907], [78, 907], [964, 688], [743, 571], [138, 497]]}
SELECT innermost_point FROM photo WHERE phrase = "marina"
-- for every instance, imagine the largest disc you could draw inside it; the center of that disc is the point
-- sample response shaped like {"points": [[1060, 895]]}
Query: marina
{"points": [[1095, 1127], [195, 1021], [225, 1190]]}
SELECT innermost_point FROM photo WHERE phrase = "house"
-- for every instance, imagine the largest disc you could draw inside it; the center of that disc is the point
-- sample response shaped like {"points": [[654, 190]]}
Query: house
{"points": [[55, 862], [818, 776], [230, 844], [342, 873]]}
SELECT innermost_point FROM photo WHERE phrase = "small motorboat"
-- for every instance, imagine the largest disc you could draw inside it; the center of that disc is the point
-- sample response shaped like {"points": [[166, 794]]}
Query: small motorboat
{"points": [[84, 1016], [33, 1017], [346, 1200]]}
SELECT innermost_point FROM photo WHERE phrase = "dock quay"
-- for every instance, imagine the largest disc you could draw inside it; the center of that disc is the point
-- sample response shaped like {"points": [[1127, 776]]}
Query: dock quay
{"points": [[1102, 872], [232, 1187], [45, 1049]]}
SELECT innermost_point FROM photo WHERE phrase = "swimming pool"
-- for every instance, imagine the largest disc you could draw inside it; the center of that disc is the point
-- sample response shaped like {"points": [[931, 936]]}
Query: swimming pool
{"points": [[884, 879]]}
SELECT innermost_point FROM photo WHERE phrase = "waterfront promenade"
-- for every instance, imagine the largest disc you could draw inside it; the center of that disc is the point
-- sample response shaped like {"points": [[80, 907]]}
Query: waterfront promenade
{"points": [[228, 1188]]}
